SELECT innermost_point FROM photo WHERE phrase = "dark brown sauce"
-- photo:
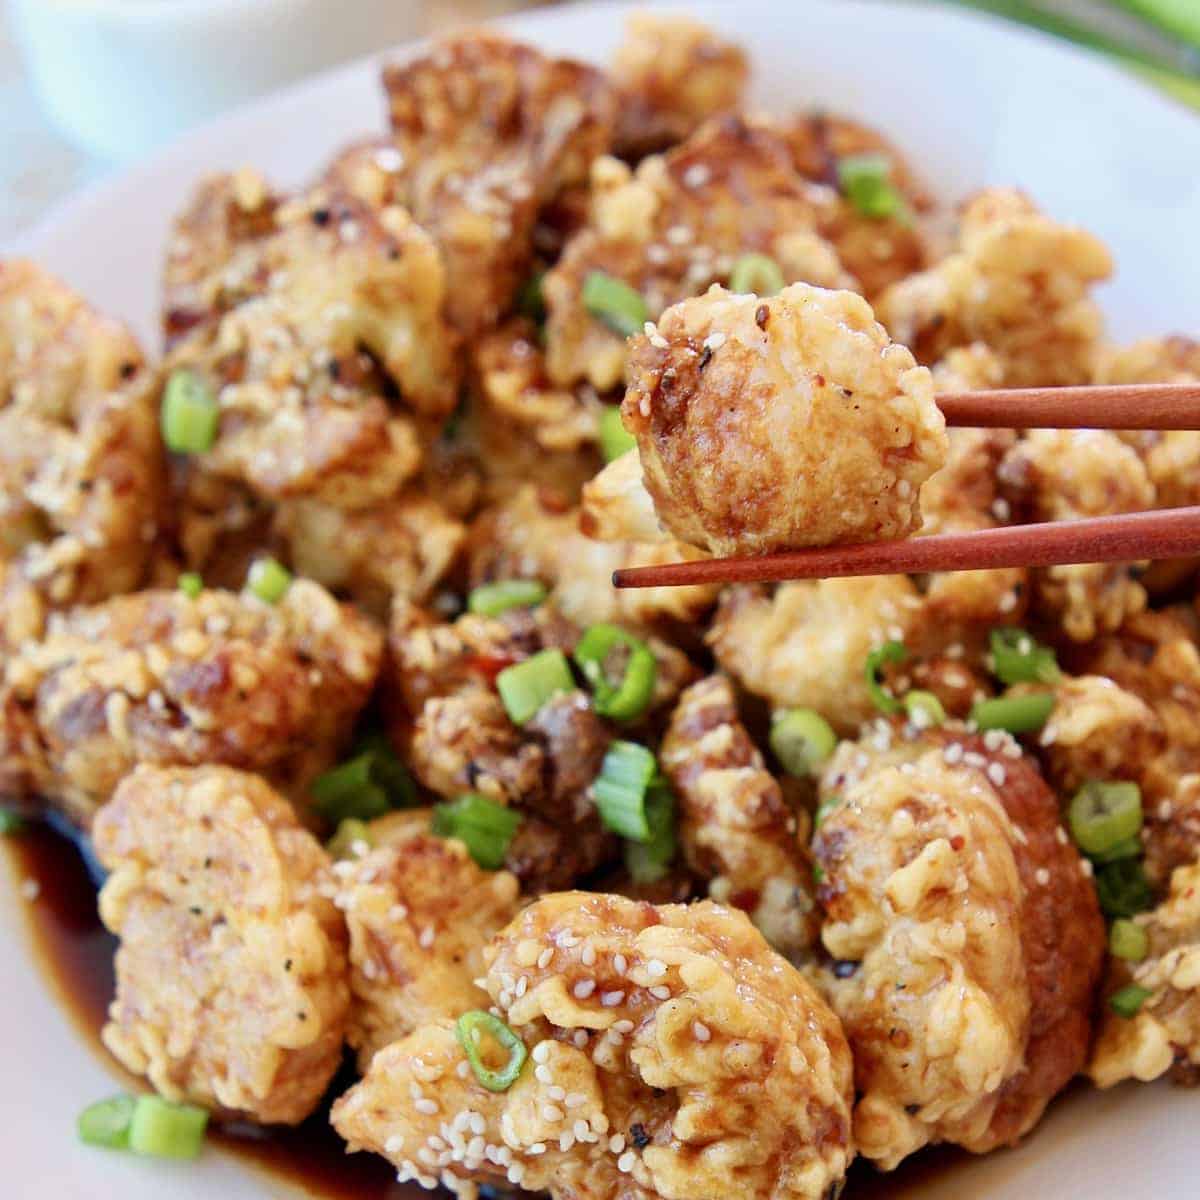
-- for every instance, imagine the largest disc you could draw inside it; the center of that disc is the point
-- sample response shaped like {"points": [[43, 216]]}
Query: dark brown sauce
{"points": [[75, 954]]}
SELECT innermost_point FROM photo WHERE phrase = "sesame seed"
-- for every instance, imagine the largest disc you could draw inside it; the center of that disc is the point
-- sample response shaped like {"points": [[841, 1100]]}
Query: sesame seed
{"points": [[612, 999], [575, 1099], [616, 1143], [537, 1148], [551, 1112], [541, 1052], [522, 987], [516, 1172], [569, 941], [974, 759], [993, 739], [1164, 810], [1086, 867], [477, 1124], [545, 958], [656, 968], [953, 753], [394, 1144], [997, 774], [587, 956], [414, 1091], [697, 175], [1008, 602], [428, 934], [566, 1140], [397, 912], [660, 993], [543, 1074], [428, 1107], [475, 1147], [626, 1161], [622, 1027], [580, 1038], [582, 1130], [556, 1093], [1042, 876], [583, 989], [700, 1031], [620, 964]]}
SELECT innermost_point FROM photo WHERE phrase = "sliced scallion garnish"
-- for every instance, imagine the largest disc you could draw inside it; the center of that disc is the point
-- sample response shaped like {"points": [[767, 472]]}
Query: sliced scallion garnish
{"points": [[647, 861], [1122, 888], [615, 439], [865, 180], [160, 1129], [190, 416], [1015, 714], [1103, 815], [607, 650], [268, 580], [106, 1123], [526, 686], [492, 599], [1128, 940], [474, 1031], [350, 833], [1127, 1001], [889, 652], [620, 789], [802, 740], [190, 584], [483, 826], [756, 274], [924, 709], [614, 303], [1017, 658]]}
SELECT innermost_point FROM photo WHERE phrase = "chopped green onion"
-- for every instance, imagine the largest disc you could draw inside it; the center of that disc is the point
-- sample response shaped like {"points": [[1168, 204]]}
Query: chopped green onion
{"points": [[190, 584], [620, 789], [889, 652], [647, 861], [802, 740], [865, 182], [924, 709], [492, 599], [756, 274], [1130, 847], [388, 771], [1103, 815], [1128, 1001], [531, 302], [613, 302], [615, 439], [471, 1029], [189, 415], [160, 1129], [526, 686], [351, 791], [483, 826], [11, 822], [269, 580], [824, 809], [1122, 888], [350, 832], [1017, 658], [106, 1123], [1016, 714], [1128, 940], [605, 650]]}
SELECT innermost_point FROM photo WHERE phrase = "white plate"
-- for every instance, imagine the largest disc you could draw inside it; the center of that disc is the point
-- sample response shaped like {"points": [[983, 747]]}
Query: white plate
{"points": [[973, 102]]}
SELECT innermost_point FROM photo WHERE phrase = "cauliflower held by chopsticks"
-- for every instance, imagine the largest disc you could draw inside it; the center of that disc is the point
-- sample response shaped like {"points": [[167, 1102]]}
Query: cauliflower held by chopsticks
{"points": [[767, 424]]}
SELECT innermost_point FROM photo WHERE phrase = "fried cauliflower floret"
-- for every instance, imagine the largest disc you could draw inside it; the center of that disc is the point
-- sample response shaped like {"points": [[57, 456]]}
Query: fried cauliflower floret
{"points": [[678, 225], [1061, 474], [672, 1055], [528, 538], [419, 912], [671, 74], [806, 645], [1165, 1031], [304, 373], [231, 972], [80, 457], [160, 678], [1097, 730], [213, 260], [966, 939], [1018, 282], [484, 132], [402, 547], [770, 424], [877, 251], [734, 825]]}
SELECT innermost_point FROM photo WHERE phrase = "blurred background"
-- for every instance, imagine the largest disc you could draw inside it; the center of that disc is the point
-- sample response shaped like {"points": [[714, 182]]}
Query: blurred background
{"points": [[86, 85]]}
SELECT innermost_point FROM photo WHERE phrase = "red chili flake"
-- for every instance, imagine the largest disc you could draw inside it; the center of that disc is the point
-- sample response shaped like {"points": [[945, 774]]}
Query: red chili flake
{"points": [[747, 899], [489, 665], [957, 842]]}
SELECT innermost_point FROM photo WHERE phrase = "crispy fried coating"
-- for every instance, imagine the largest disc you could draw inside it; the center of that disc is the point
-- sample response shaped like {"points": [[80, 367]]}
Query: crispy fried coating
{"points": [[527, 537], [1061, 474], [81, 471], [306, 373], [806, 645], [231, 973], [419, 912], [484, 132], [771, 424], [877, 251], [672, 1055], [1019, 282], [671, 74], [157, 677], [965, 935], [678, 225], [735, 827], [1165, 1031]]}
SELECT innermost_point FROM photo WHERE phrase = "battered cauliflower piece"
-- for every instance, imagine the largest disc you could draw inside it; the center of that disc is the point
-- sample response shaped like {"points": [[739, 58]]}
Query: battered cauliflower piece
{"points": [[1018, 282], [671, 74], [672, 1055], [675, 227], [231, 972], [1097, 730], [304, 373], [1165, 1031], [735, 828], [965, 936], [806, 645], [1061, 474], [529, 538], [419, 912], [160, 678], [485, 131], [80, 457], [877, 251], [771, 424]]}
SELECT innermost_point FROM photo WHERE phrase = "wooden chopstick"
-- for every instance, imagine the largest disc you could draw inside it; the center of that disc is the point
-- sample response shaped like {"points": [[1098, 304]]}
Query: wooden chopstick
{"points": [[1167, 533], [1118, 406]]}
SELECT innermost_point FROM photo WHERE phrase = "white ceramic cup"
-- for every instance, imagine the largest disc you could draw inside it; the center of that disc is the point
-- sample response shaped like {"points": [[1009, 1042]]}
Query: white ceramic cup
{"points": [[121, 76]]}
